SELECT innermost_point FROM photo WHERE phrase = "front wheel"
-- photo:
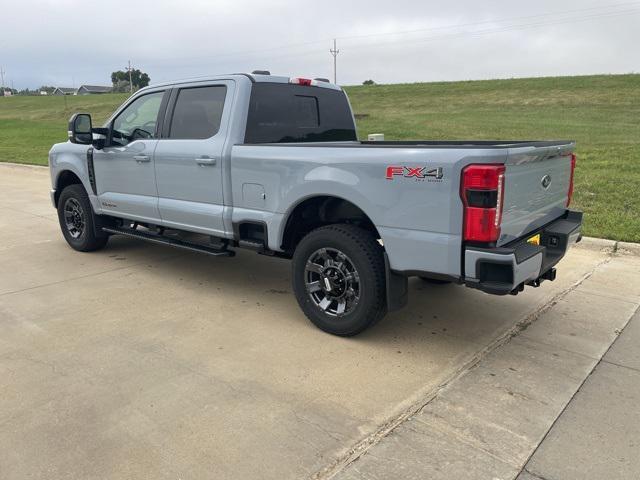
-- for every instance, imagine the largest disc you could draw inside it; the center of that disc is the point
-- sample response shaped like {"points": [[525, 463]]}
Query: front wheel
{"points": [[339, 280], [77, 220]]}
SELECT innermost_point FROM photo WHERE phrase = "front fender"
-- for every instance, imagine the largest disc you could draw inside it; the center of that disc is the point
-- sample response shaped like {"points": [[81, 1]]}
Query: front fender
{"points": [[73, 158]]}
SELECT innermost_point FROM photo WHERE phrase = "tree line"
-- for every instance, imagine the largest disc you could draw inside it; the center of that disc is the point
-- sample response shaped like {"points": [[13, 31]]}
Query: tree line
{"points": [[119, 81]]}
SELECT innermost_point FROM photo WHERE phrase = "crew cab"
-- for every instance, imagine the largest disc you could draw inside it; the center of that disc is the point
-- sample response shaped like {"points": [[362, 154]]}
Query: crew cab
{"points": [[273, 164]]}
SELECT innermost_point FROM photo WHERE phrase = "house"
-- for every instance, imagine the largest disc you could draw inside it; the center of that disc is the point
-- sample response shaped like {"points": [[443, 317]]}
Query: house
{"points": [[64, 91], [43, 92], [6, 93], [93, 89]]}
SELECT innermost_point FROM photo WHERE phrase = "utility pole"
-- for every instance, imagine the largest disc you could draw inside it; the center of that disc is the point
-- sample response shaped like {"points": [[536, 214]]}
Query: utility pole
{"points": [[2, 72], [130, 81], [335, 53]]}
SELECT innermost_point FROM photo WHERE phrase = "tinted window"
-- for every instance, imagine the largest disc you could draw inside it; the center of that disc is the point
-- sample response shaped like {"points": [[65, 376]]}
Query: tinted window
{"points": [[138, 120], [281, 113], [198, 112], [305, 112]]}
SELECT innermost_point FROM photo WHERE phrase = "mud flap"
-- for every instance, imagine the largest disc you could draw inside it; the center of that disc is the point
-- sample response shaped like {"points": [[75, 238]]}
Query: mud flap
{"points": [[101, 221], [397, 287]]}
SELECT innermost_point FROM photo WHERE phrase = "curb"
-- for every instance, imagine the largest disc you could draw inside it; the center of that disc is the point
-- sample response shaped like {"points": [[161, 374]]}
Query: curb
{"points": [[627, 248], [26, 166], [597, 244], [612, 247]]}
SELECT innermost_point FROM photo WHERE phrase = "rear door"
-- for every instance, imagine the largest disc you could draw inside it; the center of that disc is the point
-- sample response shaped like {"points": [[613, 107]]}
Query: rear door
{"points": [[188, 159], [124, 171], [536, 189]]}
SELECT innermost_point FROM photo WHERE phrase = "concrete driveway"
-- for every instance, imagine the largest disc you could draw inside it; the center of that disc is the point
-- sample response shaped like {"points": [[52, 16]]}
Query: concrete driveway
{"points": [[142, 361]]}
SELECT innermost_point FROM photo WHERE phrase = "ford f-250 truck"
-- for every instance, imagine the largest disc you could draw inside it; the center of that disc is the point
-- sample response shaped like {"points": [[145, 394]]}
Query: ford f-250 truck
{"points": [[273, 164]]}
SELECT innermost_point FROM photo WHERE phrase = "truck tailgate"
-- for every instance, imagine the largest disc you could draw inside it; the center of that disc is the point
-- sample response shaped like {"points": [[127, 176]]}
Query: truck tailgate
{"points": [[536, 189]]}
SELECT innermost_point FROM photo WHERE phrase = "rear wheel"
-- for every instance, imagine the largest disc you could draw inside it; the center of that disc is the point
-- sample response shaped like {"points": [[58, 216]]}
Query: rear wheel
{"points": [[338, 279], [77, 220]]}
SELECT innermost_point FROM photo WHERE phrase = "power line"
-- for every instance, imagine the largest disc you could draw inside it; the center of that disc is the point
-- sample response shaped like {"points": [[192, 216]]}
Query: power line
{"points": [[606, 8], [444, 32], [477, 33], [484, 22], [501, 29]]}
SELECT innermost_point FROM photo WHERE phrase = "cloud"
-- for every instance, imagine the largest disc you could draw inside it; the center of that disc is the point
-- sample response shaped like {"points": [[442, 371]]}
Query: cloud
{"points": [[67, 42]]}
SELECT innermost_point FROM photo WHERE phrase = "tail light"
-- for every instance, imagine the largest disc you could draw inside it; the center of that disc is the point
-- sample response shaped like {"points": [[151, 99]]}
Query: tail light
{"points": [[307, 82], [573, 169], [482, 192]]}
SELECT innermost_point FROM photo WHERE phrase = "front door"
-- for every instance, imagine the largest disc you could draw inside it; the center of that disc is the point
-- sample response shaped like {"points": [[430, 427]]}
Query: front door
{"points": [[189, 158], [124, 169]]}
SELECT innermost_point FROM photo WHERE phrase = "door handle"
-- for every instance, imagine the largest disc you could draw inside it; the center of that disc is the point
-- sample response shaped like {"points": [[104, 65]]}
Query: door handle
{"points": [[206, 161], [142, 158]]}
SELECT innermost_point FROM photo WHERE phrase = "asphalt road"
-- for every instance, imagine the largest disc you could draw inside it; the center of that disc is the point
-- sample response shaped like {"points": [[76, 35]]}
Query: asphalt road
{"points": [[142, 361]]}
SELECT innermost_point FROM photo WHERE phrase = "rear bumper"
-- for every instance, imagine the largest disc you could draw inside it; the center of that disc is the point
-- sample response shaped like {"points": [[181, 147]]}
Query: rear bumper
{"points": [[507, 269]]}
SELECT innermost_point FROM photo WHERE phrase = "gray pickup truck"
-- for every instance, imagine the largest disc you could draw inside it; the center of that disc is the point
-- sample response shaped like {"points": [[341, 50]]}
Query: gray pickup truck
{"points": [[273, 164]]}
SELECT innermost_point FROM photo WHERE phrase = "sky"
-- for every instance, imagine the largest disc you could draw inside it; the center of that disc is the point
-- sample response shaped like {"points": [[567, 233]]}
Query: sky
{"points": [[68, 43]]}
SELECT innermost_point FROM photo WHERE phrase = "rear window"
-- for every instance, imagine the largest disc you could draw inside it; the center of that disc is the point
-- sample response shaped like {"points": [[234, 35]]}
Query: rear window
{"points": [[198, 112], [283, 113]]}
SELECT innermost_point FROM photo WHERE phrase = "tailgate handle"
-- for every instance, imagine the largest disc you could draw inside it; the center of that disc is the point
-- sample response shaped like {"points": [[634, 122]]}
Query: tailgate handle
{"points": [[205, 161]]}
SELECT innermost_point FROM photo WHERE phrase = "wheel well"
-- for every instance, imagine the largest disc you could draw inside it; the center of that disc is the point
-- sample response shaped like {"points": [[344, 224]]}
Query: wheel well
{"points": [[65, 179], [319, 211]]}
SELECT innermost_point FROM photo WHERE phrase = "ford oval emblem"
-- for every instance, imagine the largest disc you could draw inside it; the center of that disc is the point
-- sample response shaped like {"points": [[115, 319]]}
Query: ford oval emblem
{"points": [[545, 181]]}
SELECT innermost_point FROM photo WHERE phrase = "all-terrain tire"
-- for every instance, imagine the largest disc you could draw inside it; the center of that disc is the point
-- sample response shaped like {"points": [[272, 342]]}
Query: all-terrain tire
{"points": [[360, 256], [77, 220]]}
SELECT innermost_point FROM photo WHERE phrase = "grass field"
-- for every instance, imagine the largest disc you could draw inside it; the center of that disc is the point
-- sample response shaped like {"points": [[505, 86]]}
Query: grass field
{"points": [[602, 113]]}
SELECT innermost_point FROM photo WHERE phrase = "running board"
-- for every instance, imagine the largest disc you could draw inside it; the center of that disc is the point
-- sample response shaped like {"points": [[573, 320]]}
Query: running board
{"points": [[174, 242], [251, 244]]}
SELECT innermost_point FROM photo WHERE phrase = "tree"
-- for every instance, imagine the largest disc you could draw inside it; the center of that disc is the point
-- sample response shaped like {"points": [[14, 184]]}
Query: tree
{"points": [[138, 78], [121, 86], [368, 82]]}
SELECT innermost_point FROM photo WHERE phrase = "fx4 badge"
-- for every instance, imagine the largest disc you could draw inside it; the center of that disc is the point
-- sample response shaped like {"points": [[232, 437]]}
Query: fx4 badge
{"points": [[418, 173]]}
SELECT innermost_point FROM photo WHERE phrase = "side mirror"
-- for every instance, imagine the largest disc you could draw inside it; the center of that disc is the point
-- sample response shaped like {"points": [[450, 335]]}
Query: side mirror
{"points": [[80, 130]]}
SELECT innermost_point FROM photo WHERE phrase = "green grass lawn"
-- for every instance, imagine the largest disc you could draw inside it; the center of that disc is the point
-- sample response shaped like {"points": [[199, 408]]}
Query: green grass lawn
{"points": [[602, 113], [30, 125]]}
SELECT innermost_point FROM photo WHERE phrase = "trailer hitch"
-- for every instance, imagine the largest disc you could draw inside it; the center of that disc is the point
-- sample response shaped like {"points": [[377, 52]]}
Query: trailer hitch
{"points": [[548, 275]]}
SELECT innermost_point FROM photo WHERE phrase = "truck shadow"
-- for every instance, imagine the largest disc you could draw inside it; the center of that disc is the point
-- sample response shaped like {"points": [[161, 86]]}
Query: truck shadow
{"points": [[249, 279]]}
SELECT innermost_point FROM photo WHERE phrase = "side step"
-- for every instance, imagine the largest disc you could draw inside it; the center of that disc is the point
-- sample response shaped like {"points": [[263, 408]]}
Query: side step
{"points": [[174, 242], [251, 244]]}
